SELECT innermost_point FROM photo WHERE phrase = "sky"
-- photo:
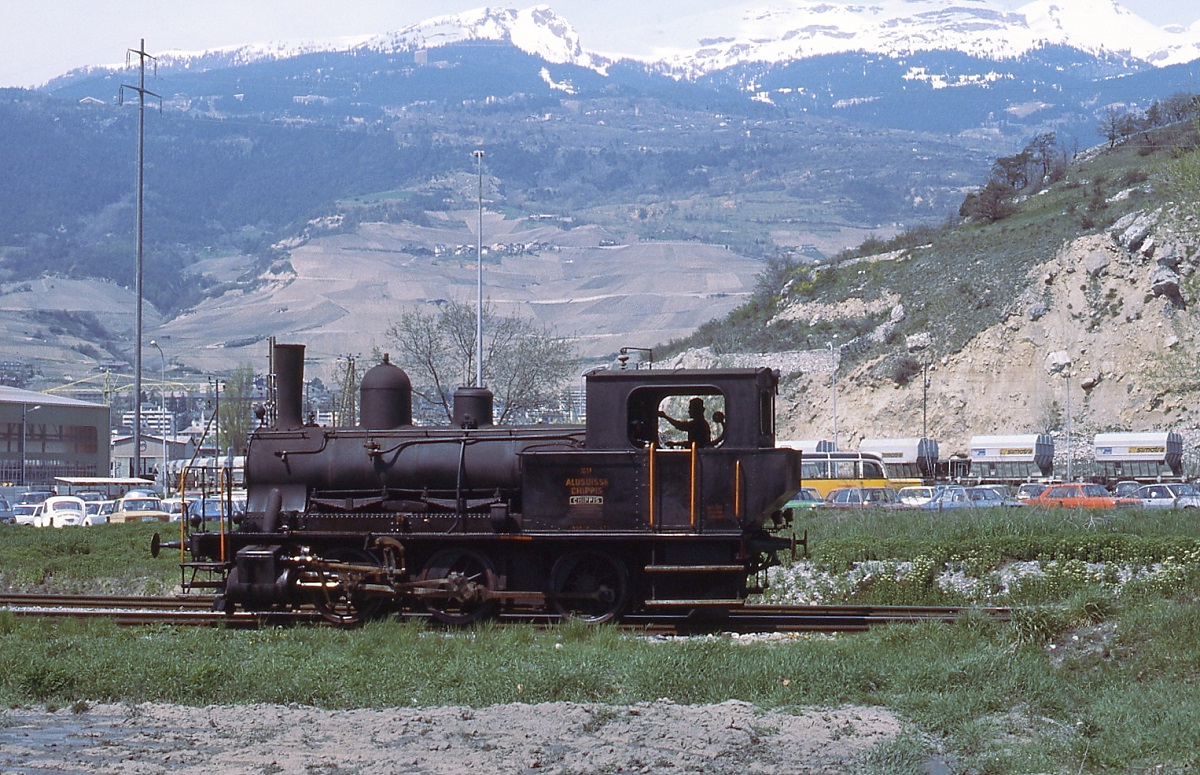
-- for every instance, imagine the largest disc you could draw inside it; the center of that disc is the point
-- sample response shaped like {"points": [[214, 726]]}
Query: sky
{"points": [[41, 39]]}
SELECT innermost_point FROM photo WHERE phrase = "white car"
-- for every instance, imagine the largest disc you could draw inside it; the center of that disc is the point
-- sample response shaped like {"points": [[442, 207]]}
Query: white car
{"points": [[176, 507], [62, 511], [1168, 496], [916, 495], [26, 513], [97, 512]]}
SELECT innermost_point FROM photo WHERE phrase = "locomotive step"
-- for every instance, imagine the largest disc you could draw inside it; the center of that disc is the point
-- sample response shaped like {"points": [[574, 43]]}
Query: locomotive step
{"points": [[197, 568], [695, 569]]}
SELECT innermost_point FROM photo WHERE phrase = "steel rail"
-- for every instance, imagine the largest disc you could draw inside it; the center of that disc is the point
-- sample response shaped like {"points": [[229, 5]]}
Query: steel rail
{"points": [[156, 602], [701, 618]]}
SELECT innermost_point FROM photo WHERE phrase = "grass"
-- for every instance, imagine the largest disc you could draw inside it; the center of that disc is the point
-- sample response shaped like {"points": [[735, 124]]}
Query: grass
{"points": [[101, 559], [1087, 680]]}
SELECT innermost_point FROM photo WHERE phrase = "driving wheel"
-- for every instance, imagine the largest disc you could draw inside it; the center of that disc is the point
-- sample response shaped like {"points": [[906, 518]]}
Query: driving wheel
{"points": [[589, 586], [460, 581], [338, 597]]}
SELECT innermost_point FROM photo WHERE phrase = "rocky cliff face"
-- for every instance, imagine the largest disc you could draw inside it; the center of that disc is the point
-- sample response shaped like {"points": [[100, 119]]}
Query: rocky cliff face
{"points": [[1104, 331]]}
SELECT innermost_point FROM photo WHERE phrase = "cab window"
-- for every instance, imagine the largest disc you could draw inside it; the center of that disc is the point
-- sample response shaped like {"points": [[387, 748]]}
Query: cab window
{"points": [[677, 419]]}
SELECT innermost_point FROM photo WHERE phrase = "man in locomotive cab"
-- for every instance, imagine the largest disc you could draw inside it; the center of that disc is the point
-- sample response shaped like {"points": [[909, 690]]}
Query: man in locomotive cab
{"points": [[696, 427]]}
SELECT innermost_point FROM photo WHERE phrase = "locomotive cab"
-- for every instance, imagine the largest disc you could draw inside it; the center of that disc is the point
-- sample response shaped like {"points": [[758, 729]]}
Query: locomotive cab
{"points": [[644, 468], [739, 404]]}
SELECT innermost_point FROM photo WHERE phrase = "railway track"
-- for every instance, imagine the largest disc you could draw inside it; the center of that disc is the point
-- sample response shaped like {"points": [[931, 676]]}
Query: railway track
{"points": [[134, 610], [197, 610]]}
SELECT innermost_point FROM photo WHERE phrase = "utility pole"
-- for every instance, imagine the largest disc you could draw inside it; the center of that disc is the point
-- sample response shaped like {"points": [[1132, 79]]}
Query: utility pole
{"points": [[479, 280], [142, 56]]}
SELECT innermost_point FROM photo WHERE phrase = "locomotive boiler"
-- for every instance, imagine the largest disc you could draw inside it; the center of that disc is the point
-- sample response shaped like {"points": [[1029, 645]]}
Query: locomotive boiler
{"points": [[620, 514]]}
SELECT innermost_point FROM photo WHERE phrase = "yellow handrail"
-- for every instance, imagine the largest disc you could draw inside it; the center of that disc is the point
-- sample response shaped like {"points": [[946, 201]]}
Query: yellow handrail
{"points": [[737, 490], [221, 507], [183, 515]]}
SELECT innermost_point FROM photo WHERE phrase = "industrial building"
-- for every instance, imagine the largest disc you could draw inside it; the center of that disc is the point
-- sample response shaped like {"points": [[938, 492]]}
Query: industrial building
{"points": [[44, 436]]}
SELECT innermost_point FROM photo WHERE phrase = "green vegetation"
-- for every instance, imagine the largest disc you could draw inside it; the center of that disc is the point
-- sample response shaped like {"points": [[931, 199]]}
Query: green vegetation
{"points": [[109, 559], [957, 278], [1088, 677]]}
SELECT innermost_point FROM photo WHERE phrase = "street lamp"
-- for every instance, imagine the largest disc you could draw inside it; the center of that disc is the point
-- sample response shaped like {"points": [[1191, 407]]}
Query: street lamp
{"points": [[162, 398], [25, 410], [479, 271]]}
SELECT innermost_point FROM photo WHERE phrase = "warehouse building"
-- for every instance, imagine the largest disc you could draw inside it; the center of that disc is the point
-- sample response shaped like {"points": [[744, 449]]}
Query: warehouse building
{"points": [[44, 436]]}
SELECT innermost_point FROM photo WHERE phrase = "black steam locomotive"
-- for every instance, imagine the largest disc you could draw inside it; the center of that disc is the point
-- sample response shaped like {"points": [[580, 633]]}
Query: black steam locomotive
{"points": [[618, 515]]}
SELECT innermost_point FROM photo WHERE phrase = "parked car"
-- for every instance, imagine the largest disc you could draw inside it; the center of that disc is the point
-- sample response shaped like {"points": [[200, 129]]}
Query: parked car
{"points": [[26, 513], [61, 511], [1004, 490], [35, 496], [952, 496], [1126, 489], [1030, 490], [1081, 496], [213, 507], [806, 498], [983, 497], [90, 496], [861, 497], [1168, 496], [97, 512], [138, 508], [176, 507], [916, 495], [7, 516]]}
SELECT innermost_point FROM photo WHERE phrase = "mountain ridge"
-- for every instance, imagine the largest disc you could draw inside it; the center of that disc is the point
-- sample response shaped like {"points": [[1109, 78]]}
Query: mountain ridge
{"points": [[771, 35]]}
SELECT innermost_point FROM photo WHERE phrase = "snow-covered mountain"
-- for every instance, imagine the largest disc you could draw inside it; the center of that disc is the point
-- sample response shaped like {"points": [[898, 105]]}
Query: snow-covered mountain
{"points": [[536, 30], [753, 32], [750, 32], [806, 28]]}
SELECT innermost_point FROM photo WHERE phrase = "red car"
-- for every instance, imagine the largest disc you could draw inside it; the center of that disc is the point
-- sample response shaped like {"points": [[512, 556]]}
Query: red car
{"points": [[1081, 496]]}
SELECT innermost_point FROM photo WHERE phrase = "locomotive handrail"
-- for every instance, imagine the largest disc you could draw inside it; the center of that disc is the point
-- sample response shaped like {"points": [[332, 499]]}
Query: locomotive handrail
{"points": [[228, 507], [652, 483], [402, 445], [694, 474], [737, 491], [183, 515], [283, 454]]}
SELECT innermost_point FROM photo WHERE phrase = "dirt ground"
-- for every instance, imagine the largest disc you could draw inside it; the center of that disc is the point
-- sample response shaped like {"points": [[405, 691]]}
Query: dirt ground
{"points": [[732, 737]]}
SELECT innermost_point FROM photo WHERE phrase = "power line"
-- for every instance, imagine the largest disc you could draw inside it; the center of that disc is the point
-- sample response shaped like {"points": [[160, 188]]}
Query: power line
{"points": [[137, 368]]}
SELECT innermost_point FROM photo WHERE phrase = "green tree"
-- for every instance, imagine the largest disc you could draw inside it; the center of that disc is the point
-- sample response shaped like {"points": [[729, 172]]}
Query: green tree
{"points": [[525, 365], [992, 204]]}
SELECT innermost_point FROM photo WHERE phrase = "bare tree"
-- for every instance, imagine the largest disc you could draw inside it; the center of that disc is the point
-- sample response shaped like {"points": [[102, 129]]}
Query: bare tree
{"points": [[524, 365], [236, 409], [1110, 125]]}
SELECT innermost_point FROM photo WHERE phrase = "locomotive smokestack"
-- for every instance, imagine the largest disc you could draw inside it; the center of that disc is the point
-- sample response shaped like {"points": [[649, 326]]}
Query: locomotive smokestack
{"points": [[289, 385], [472, 407]]}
